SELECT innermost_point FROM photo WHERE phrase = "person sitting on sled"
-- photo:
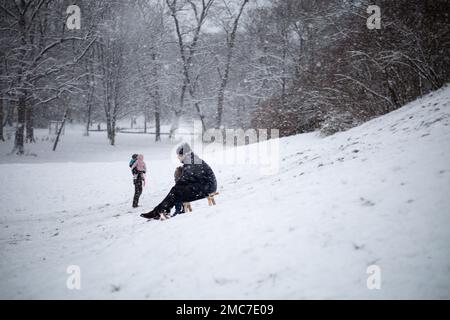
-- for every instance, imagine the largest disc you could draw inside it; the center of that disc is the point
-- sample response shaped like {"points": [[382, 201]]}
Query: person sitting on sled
{"points": [[138, 169], [197, 181]]}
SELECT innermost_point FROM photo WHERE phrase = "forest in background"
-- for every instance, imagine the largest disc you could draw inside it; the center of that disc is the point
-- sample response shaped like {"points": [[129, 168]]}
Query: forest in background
{"points": [[293, 65]]}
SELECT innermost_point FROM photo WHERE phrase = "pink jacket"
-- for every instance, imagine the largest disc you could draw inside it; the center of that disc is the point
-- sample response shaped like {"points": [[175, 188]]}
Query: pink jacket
{"points": [[140, 164]]}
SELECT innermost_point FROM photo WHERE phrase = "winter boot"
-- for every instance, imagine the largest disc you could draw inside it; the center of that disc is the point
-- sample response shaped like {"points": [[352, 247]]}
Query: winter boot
{"points": [[154, 214]]}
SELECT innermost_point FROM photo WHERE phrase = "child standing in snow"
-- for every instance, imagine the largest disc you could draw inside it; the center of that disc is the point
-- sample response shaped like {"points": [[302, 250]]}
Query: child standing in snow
{"points": [[138, 169], [132, 161], [178, 205]]}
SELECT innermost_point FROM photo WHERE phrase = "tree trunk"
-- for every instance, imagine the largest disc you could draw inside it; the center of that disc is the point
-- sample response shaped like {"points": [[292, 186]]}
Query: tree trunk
{"points": [[201, 116], [29, 124], [111, 129], [20, 127], [10, 115], [157, 100], [88, 123], [1, 120], [175, 124], [220, 99], [108, 128], [89, 111], [157, 126], [90, 81], [283, 77], [60, 129], [392, 93], [112, 139], [21, 108], [145, 120]]}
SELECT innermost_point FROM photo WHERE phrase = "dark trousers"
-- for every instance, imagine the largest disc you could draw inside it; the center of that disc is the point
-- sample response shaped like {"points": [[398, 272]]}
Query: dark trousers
{"points": [[137, 190], [179, 207], [184, 193]]}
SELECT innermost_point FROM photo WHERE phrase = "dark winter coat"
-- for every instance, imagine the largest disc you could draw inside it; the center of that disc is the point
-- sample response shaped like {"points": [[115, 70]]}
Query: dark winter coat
{"points": [[197, 172], [177, 174]]}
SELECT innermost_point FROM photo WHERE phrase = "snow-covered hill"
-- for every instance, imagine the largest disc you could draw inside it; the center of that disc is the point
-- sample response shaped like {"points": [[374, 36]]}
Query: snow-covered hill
{"points": [[378, 194]]}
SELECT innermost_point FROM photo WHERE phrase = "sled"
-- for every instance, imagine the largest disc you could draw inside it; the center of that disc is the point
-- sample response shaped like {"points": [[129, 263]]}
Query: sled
{"points": [[163, 216], [187, 207], [211, 202]]}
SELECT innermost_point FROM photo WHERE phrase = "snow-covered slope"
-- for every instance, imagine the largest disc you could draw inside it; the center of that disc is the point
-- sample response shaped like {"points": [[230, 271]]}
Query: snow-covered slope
{"points": [[375, 195]]}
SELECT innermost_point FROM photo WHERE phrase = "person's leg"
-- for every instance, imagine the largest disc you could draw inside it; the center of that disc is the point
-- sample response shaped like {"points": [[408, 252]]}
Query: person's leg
{"points": [[184, 193], [178, 206], [137, 191]]}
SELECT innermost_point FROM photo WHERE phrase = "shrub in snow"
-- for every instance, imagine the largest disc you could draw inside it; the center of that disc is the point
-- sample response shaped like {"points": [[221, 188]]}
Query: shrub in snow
{"points": [[336, 122]]}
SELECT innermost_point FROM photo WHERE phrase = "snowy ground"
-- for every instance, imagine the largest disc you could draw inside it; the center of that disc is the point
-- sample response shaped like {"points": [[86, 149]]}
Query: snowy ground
{"points": [[375, 195]]}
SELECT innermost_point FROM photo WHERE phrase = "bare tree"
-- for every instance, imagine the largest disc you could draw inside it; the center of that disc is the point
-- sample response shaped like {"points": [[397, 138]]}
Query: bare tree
{"points": [[112, 63], [150, 48], [61, 127], [230, 41], [35, 45], [1, 120], [188, 50]]}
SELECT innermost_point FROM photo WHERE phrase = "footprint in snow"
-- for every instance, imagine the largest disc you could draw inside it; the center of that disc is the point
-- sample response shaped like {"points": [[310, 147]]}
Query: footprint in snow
{"points": [[115, 288], [373, 262], [224, 281], [366, 202], [358, 246], [104, 206]]}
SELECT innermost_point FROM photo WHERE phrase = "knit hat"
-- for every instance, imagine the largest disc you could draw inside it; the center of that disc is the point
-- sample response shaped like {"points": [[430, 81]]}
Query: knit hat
{"points": [[183, 149]]}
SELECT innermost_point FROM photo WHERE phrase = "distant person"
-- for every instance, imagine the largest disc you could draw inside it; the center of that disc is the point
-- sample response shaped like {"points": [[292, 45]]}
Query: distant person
{"points": [[132, 161], [197, 181], [138, 169]]}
